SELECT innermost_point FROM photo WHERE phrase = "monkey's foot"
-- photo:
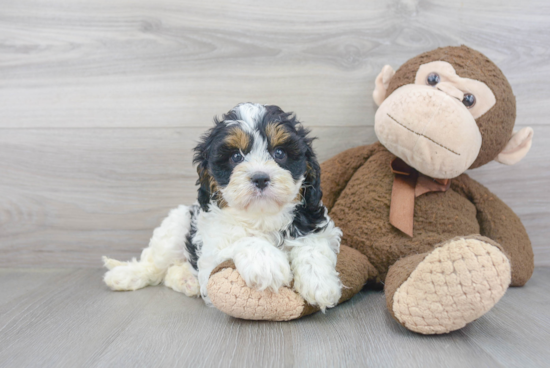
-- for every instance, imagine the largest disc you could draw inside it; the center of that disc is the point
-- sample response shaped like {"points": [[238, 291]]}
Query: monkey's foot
{"points": [[453, 285], [229, 293]]}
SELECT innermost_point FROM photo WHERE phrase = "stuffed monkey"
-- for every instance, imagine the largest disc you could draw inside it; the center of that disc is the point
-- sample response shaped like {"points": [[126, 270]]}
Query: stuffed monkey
{"points": [[445, 247]]}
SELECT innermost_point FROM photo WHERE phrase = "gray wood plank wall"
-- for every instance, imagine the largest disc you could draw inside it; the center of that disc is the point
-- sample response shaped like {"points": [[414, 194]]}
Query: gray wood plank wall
{"points": [[101, 102]]}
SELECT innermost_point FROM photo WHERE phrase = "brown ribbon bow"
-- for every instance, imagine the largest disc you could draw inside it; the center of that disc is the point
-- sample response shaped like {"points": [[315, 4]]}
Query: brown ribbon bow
{"points": [[408, 184]]}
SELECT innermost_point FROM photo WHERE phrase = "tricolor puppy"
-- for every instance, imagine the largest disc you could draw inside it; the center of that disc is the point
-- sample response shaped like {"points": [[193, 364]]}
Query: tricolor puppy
{"points": [[259, 204]]}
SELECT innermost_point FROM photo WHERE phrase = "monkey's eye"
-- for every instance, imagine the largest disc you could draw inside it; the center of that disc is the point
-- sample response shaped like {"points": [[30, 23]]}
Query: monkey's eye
{"points": [[469, 100], [433, 79], [279, 154], [237, 158]]}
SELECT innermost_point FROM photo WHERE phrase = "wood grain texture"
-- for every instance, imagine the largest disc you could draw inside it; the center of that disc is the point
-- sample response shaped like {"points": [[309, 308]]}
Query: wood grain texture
{"points": [[177, 63], [68, 196], [69, 318], [101, 102]]}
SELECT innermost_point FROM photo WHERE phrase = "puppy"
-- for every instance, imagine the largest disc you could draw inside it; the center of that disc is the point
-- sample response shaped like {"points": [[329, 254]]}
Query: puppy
{"points": [[259, 204]]}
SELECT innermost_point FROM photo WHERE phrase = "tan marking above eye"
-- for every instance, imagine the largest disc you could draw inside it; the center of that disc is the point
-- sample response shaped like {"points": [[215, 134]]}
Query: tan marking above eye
{"points": [[276, 134], [237, 138]]}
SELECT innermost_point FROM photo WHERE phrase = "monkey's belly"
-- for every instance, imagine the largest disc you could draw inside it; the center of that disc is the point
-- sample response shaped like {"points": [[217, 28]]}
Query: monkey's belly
{"points": [[363, 209]]}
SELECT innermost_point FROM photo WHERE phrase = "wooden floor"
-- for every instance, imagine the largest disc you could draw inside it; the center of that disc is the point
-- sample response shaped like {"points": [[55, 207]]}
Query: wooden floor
{"points": [[68, 318]]}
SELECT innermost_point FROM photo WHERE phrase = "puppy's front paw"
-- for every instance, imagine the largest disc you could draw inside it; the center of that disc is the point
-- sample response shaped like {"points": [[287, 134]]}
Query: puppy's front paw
{"points": [[263, 268], [323, 291]]}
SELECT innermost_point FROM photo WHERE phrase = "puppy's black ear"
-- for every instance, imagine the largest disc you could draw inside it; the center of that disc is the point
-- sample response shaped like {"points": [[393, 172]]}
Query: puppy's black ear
{"points": [[204, 180], [311, 187], [201, 158], [309, 216]]}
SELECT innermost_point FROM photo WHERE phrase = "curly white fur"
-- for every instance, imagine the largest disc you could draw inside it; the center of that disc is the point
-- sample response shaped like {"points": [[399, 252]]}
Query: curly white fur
{"points": [[313, 263], [166, 252], [252, 230]]}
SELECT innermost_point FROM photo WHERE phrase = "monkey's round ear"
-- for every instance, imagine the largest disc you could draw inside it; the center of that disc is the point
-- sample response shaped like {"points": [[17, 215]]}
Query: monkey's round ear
{"points": [[517, 147], [381, 84]]}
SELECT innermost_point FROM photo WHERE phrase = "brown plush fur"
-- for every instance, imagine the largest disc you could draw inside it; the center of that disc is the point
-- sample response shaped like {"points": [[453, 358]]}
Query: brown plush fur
{"points": [[362, 212], [497, 124], [357, 187], [398, 274]]}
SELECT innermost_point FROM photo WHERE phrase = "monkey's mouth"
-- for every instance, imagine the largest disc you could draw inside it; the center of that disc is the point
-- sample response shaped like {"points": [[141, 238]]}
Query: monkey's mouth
{"points": [[422, 135]]}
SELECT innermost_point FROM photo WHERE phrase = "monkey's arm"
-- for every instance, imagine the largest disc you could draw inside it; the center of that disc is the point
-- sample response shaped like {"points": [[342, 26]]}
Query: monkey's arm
{"points": [[498, 222], [338, 170]]}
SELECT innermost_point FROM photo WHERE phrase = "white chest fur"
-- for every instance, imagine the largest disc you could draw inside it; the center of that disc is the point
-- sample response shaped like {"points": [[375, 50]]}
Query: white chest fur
{"points": [[219, 228]]}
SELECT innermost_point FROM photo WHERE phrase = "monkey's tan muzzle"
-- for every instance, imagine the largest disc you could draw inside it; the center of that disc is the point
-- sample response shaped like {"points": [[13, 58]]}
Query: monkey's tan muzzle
{"points": [[429, 129]]}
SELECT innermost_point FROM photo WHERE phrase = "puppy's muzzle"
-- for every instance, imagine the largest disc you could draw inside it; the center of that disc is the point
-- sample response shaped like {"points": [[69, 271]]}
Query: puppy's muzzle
{"points": [[260, 180]]}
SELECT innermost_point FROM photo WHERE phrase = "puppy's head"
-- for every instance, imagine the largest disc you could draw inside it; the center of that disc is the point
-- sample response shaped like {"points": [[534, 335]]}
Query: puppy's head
{"points": [[257, 159]]}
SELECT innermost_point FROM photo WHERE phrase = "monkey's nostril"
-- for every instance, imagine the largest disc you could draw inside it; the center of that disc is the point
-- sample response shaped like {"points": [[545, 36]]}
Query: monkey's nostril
{"points": [[260, 180]]}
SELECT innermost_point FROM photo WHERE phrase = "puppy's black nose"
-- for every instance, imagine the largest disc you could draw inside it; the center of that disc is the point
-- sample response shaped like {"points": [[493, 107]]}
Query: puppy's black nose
{"points": [[260, 180]]}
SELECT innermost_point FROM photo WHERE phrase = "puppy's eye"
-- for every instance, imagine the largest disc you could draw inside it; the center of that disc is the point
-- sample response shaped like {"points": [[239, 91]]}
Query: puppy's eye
{"points": [[279, 154], [469, 100], [433, 79], [237, 158]]}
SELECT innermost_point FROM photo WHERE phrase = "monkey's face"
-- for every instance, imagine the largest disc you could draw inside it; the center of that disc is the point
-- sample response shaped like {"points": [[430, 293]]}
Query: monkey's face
{"points": [[431, 124]]}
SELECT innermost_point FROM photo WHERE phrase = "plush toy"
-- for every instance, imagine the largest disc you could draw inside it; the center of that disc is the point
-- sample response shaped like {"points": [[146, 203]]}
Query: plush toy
{"points": [[445, 247]]}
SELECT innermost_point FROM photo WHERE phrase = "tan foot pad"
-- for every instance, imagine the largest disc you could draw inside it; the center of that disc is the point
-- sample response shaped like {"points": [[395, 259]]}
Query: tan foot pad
{"points": [[454, 285], [229, 293]]}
